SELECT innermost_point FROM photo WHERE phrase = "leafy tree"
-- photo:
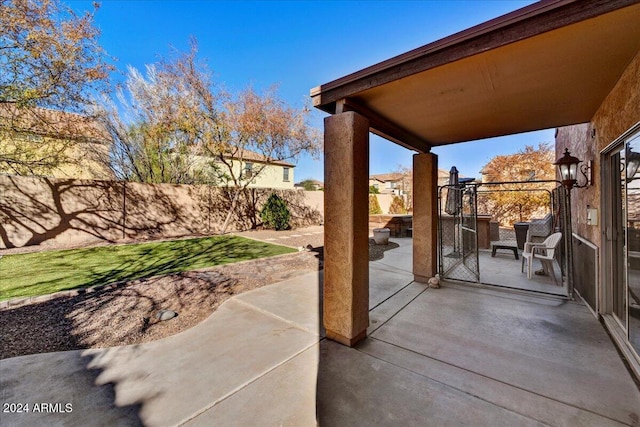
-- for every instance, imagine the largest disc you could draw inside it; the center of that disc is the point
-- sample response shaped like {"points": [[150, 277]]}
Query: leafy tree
{"points": [[308, 185], [51, 60], [373, 189], [374, 205], [509, 203], [156, 129], [275, 213], [186, 127], [397, 206]]}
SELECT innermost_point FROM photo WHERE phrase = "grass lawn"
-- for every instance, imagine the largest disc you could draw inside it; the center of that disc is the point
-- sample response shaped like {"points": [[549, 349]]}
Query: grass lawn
{"points": [[47, 272]]}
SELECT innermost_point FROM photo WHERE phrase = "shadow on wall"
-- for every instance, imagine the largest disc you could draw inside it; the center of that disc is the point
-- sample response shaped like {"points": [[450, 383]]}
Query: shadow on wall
{"points": [[40, 209], [46, 211]]}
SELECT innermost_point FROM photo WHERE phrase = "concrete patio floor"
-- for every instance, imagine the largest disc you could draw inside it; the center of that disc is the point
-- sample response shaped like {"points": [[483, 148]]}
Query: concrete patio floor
{"points": [[459, 355]]}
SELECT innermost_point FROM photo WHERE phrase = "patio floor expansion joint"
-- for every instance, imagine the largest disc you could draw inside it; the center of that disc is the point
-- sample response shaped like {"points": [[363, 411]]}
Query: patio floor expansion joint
{"points": [[400, 309], [245, 384], [480, 375], [275, 316]]}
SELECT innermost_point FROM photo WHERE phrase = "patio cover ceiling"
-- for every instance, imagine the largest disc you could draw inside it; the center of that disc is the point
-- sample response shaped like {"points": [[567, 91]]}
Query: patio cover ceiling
{"points": [[549, 64]]}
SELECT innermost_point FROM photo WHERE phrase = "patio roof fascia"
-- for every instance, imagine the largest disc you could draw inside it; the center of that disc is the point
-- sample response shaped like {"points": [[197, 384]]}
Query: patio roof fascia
{"points": [[545, 16], [520, 24]]}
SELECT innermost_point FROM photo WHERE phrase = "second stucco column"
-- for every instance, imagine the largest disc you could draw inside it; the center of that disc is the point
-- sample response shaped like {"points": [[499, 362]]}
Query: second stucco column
{"points": [[425, 216], [346, 229]]}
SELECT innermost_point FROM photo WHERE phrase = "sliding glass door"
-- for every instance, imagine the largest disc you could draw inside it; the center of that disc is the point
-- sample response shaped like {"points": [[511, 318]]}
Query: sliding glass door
{"points": [[621, 236], [632, 246]]}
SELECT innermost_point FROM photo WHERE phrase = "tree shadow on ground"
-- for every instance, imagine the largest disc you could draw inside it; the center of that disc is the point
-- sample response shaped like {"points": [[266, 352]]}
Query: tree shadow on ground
{"points": [[126, 312]]}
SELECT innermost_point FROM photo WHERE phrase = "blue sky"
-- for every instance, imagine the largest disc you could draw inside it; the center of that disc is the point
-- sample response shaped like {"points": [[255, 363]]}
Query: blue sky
{"points": [[299, 45]]}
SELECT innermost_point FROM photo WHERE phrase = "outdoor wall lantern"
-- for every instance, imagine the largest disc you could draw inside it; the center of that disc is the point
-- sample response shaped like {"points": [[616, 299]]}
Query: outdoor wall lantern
{"points": [[569, 166], [633, 162]]}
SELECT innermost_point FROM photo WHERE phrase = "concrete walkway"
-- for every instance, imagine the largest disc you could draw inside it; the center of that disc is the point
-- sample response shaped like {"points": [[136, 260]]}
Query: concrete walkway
{"points": [[458, 355]]}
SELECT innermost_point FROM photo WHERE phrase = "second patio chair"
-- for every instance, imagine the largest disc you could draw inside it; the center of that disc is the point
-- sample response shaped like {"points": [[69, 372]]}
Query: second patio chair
{"points": [[544, 251]]}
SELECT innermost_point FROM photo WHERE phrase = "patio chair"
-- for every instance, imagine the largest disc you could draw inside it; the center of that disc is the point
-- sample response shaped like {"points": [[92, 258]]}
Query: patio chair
{"points": [[544, 251]]}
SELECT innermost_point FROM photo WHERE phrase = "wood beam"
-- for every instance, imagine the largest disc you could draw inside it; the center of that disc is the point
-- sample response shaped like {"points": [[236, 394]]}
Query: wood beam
{"points": [[383, 127]]}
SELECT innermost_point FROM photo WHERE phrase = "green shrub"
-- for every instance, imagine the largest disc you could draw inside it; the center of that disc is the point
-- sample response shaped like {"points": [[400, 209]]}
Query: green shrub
{"points": [[397, 206], [373, 190], [374, 206], [275, 213]]}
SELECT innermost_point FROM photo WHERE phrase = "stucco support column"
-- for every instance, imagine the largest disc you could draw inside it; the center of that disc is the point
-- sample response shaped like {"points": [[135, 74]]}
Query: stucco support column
{"points": [[346, 229], [425, 216]]}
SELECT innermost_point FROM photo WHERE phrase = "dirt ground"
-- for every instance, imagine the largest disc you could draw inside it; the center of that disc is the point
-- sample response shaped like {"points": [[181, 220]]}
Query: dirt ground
{"points": [[127, 314]]}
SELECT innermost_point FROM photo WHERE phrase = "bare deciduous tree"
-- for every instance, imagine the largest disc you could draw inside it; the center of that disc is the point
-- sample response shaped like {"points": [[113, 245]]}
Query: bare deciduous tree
{"points": [[156, 128], [263, 124], [184, 128]]}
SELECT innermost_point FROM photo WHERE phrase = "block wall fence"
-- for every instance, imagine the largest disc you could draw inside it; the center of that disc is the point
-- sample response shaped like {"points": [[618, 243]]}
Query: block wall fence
{"points": [[67, 212]]}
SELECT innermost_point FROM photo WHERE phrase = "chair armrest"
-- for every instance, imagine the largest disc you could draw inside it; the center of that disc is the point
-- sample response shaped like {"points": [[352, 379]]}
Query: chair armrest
{"points": [[540, 249], [529, 246]]}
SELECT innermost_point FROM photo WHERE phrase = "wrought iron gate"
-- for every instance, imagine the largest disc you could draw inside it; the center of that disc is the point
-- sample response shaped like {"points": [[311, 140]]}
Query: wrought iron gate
{"points": [[458, 250], [458, 232]]}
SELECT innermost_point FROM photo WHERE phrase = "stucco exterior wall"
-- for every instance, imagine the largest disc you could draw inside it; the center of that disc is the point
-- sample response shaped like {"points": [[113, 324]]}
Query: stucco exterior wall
{"points": [[34, 211], [78, 160], [619, 112], [385, 202], [579, 142], [271, 176], [315, 200], [265, 175]]}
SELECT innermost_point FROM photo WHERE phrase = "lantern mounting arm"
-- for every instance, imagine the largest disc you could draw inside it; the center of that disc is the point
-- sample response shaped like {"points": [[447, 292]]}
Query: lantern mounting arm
{"points": [[568, 166]]}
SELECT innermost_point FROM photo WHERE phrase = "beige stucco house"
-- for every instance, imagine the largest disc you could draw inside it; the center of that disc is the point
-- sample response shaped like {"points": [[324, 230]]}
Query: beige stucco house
{"points": [[248, 166], [552, 64], [391, 183], [52, 143]]}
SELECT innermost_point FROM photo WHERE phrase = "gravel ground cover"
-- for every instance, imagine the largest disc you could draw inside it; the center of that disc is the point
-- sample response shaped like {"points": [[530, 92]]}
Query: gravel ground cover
{"points": [[127, 313]]}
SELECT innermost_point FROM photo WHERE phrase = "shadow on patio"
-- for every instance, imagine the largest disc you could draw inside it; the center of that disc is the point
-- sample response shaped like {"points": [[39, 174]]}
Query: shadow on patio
{"points": [[459, 355]]}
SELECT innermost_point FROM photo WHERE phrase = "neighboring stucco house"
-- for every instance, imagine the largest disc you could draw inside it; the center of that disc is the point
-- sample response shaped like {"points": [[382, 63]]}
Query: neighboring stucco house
{"points": [[37, 135], [260, 170], [391, 183], [397, 183], [552, 64], [315, 185]]}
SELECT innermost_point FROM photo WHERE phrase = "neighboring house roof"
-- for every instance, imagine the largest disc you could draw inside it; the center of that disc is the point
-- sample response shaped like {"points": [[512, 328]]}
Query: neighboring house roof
{"points": [[318, 184], [386, 177], [52, 123], [252, 156], [396, 176], [443, 174]]}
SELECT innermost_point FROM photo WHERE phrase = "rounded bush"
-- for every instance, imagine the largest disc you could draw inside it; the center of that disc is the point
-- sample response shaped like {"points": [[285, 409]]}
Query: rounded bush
{"points": [[275, 213]]}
